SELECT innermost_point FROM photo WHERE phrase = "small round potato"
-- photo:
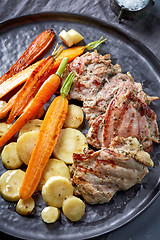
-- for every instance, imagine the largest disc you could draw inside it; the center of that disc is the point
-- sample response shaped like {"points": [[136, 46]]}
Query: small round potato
{"points": [[25, 145], [74, 117], [73, 208], [2, 105], [4, 127], [55, 190], [54, 167], [70, 141], [31, 125], [50, 214], [25, 207], [10, 183], [10, 157]]}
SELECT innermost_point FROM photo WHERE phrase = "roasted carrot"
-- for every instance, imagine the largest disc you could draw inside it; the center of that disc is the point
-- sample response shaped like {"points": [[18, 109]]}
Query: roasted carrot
{"points": [[22, 76], [37, 47], [43, 95], [17, 79], [74, 52], [33, 83], [47, 139]]}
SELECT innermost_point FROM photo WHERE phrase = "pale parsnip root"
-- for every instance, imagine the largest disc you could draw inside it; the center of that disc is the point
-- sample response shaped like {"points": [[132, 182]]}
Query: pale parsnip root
{"points": [[55, 190], [25, 207], [54, 167], [70, 141], [31, 125], [50, 214], [76, 36], [10, 183], [4, 127], [74, 117], [73, 208], [26, 144], [2, 105], [66, 38], [10, 157]]}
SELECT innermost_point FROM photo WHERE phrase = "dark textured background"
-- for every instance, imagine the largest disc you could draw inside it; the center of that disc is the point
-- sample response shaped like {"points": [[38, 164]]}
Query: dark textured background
{"points": [[145, 226]]}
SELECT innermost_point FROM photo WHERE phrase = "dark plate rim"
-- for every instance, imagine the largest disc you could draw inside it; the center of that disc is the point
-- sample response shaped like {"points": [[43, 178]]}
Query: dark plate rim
{"points": [[143, 50]]}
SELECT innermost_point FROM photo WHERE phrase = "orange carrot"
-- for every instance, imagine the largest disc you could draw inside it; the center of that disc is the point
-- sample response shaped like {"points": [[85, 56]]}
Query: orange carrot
{"points": [[43, 95], [17, 79], [21, 77], [37, 47], [47, 139], [33, 83]]}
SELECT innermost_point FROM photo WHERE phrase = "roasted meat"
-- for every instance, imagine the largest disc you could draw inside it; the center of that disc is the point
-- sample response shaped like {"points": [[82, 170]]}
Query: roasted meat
{"points": [[119, 84], [97, 176], [92, 71], [125, 116]]}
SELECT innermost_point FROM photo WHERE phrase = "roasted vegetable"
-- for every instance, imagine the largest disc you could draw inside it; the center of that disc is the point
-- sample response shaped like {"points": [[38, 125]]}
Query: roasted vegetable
{"points": [[37, 47]]}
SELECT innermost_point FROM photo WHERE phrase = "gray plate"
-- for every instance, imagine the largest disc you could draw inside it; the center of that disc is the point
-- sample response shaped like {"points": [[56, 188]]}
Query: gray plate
{"points": [[133, 56]]}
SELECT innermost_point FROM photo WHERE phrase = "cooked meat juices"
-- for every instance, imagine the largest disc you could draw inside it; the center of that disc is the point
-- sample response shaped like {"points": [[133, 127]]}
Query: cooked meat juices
{"points": [[121, 125]]}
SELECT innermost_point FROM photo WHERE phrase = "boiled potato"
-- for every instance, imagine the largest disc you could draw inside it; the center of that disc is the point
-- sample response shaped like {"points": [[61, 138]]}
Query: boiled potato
{"points": [[4, 127], [10, 157], [54, 167], [50, 214], [70, 141], [76, 36], [31, 125], [66, 38], [55, 190], [74, 117], [26, 144], [2, 105], [10, 183], [73, 208], [25, 207]]}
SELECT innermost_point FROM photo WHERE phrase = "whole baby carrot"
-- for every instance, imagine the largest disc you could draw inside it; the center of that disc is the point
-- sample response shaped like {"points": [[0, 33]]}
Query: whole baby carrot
{"points": [[43, 95], [47, 139], [74, 52], [36, 48], [33, 83]]}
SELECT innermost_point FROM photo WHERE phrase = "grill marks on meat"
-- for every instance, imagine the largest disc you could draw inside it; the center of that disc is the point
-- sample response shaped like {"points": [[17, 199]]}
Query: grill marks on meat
{"points": [[91, 70], [125, 116], [97, 176]]}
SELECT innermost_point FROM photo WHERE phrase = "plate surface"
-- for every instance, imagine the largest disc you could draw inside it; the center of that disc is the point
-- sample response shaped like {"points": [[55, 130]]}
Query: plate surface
{"points": [[15, 37]]}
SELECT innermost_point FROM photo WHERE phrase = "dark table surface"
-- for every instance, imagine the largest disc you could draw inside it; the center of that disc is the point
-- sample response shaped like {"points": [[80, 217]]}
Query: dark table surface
{"points": [[147, 225]]}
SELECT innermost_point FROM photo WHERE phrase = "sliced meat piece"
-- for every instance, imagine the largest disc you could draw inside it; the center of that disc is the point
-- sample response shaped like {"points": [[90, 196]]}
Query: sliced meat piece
{"points": [[129, 116], [91, 70], [97, 176], [95, 132], [117, 85]]}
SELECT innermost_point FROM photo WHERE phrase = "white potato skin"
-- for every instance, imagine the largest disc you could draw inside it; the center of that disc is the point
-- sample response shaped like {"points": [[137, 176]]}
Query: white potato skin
{"points": [[31, 125], [25, 145], [10, 183], [74, 116], [55, 190], [73, 208], [70, 141], [25, 207], [54, 167], [50, 214], [10, 157], [4, 127]]}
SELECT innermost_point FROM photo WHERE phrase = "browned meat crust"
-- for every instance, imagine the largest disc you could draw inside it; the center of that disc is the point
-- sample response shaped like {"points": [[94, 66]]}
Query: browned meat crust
{"points": [[97, 176]]}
